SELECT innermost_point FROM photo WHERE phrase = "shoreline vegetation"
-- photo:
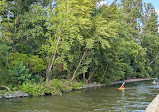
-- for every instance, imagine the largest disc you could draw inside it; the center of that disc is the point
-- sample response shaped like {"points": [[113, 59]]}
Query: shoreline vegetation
{"points": [[54, 87]]}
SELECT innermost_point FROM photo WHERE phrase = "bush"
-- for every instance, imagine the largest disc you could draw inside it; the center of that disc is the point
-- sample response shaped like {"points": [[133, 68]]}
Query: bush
{"points": [[60, 85], [18, 74], [38, 89], [32, 88], [65, 85], [37, 78], [77, 85], [53, 87]]}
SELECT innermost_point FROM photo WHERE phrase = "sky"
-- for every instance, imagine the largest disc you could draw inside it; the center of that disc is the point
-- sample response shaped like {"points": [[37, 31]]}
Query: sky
{"points": [[155, 3]]}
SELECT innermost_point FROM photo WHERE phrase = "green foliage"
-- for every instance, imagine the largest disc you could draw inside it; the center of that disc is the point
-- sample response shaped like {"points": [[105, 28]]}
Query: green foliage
{"points": [[32, 30], [32, 88], [18, 74], [64, 85], [150, 21], [2, 92], [37, 78], [33, 62], [150, 39], [53, 87], [40, 40], [3, 54], [3, 62], [77, 85]]}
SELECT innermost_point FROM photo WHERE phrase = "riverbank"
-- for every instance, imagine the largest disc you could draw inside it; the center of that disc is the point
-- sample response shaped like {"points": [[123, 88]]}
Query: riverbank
{"points": [[55, 87], [116, 82], [52, 87]]}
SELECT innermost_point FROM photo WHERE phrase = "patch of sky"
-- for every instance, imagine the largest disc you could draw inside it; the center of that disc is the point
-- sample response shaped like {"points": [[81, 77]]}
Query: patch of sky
{"points": [[155, 3]]}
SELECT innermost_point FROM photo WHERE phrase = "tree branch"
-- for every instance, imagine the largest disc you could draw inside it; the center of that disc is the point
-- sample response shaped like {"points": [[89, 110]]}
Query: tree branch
{"points": [[154, 59], [7, 88], [79, 64]]}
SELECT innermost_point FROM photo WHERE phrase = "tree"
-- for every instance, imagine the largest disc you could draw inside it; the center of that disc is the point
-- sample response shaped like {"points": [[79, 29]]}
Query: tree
{"points": [[60, 35], [32, 30], [150, 39], [22, 29], [100, 32], [132, 10]]}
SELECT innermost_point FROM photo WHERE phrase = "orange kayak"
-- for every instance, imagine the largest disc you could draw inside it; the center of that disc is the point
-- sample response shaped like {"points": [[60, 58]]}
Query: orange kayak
{"points": [[121, 88], [153, 82]]}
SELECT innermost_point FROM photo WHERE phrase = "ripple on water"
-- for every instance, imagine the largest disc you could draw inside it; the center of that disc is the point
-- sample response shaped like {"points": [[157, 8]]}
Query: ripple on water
{"points": [[135, 98]]}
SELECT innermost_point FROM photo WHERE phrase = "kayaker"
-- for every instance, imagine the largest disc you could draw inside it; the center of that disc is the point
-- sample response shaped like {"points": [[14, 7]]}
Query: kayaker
{"points": [[122, 86], [154, 82]]}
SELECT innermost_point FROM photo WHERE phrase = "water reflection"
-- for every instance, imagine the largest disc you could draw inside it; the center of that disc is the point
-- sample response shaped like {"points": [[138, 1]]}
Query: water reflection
{"points": [[135, 98]]}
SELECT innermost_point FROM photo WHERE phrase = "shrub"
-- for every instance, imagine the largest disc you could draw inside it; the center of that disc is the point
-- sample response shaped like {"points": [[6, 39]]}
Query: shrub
{"points": [[65, 85], [77, 85], [32, 88], [18, 74], [53, 87]]}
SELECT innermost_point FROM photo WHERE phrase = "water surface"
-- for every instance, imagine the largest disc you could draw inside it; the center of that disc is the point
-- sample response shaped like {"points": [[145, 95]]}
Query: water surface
{"points": [[136, 97]]}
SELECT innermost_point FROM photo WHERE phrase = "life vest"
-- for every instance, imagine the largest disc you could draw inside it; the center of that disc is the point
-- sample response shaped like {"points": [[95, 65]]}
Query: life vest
{"points": [[122, 86]]}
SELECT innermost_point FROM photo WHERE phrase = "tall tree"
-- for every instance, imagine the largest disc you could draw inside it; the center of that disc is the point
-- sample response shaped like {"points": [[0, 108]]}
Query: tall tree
{"points": [[100, 32], [22, 28], [60, 35], [12, 12], [150, 39], [132, 10]]}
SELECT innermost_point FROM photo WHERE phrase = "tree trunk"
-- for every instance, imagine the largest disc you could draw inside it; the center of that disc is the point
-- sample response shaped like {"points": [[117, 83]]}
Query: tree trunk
{"points": [[49, 67], [74, 74], [69, 72], [90, 76], [105, 72], [84, 76], [7, 88], [154, 59]]}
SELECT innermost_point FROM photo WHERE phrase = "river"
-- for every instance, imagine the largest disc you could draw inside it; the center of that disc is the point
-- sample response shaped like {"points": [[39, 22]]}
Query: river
{"points": [[135, 98]]}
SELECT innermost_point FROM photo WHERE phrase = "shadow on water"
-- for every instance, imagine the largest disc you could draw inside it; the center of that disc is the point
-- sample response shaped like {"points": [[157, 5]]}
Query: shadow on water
{"points": [[135, 98]]}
